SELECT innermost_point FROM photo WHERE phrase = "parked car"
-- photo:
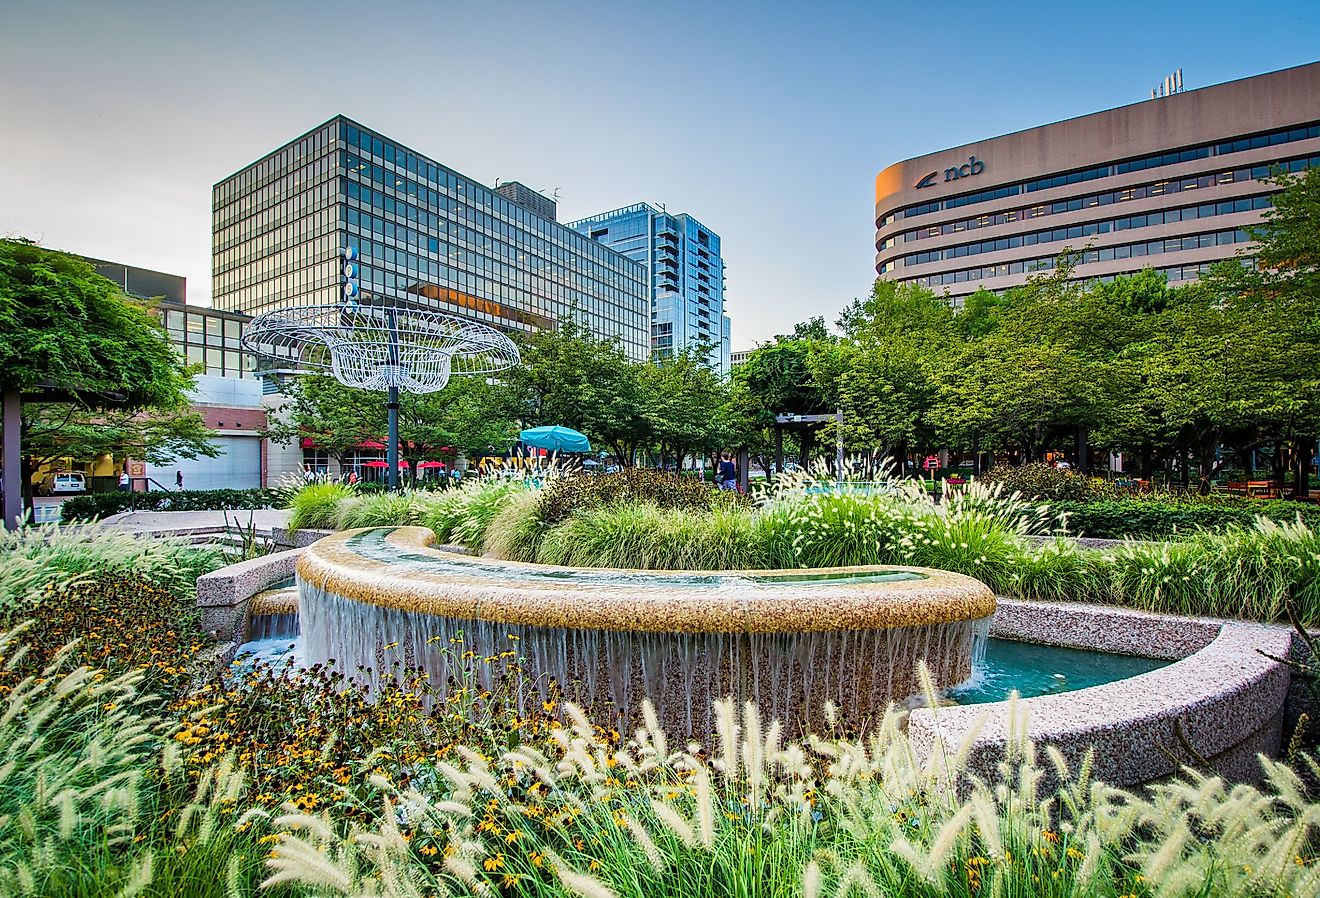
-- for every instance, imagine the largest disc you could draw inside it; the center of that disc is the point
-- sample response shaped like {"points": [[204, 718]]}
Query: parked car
{"points": [[63, 483]]}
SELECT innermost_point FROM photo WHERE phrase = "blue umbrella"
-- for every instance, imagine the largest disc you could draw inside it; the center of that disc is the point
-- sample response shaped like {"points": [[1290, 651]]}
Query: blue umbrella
{"points": [[555, 439]]}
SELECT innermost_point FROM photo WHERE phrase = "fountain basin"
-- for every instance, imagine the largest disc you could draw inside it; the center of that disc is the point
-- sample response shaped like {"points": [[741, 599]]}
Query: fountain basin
{"points": [[788, 640]]}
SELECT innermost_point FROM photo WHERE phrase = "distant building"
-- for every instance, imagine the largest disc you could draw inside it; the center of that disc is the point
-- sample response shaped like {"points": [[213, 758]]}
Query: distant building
{"points": [[737, 358], [424, 236], [226, 393], [1169, 183], [686, 271], [532, 200]]}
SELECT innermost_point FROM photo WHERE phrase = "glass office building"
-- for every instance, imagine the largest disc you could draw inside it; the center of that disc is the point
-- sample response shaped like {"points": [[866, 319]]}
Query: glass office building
{"points": [[424, 236], [686, 273], [1170, 183]]}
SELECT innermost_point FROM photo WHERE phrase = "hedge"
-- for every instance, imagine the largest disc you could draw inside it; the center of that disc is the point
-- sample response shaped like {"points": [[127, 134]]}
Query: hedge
{"points": [[1155, 518], [101, 505]]}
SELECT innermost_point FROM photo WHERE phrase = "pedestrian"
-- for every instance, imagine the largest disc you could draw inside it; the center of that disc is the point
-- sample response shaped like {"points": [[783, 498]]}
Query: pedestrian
{"points": [[123, 481], [308, 475], [178, 479], [728, 473], [352, 478]]}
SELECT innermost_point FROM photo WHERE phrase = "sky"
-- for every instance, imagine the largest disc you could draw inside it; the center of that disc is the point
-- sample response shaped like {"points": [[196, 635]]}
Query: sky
{"points": [[766, 121]]}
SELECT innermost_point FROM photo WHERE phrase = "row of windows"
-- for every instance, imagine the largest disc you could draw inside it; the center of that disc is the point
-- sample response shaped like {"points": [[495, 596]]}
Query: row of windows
{"points": [[529, 273], [1126, 194], [1171, 274], [265, 169], [1126, 251], [604, 270], [399, 163], [298, 185], [318, 257], [1274, 138], [450, 270], [315, 204], [1090, 229], [293, 243]]}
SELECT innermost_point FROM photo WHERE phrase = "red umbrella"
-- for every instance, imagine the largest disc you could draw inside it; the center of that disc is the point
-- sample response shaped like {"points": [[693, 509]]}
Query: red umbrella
{"points": [[431, 464], [375, 464], [371, 444]]}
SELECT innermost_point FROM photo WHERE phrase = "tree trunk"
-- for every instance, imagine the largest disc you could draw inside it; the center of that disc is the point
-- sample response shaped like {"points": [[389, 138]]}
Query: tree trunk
{"points": [[1302, 468], [1279, 468]]}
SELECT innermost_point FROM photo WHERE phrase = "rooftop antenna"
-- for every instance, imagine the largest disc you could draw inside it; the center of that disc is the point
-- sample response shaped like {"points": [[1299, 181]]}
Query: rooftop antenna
{"points": [[1169, 86]]}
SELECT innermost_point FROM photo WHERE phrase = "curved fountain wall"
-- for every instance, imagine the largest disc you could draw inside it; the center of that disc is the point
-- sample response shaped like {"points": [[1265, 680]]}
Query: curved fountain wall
{"points": [[789, 640]]}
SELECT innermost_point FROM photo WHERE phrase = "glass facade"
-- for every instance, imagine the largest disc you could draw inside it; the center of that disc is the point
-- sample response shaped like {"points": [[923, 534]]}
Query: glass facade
{"points": [[425, 236], [686, 274]]}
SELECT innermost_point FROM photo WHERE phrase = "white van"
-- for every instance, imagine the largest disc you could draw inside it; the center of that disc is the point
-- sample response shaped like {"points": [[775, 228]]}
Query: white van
{"points": [[63, 483]]}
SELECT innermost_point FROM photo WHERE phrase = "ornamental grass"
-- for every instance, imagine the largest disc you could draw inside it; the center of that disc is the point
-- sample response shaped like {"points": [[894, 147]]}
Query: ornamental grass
{"points": [[150, 777]]}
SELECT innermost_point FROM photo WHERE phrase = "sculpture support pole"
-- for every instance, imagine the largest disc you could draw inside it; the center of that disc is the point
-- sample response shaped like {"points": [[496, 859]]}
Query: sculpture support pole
{"points": [[392, 454]]}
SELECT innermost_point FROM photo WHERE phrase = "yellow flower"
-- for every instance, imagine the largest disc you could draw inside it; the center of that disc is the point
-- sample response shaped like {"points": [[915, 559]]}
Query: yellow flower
{"points": [[512, 837], [493, 863], [537, 858], [429, 850]]}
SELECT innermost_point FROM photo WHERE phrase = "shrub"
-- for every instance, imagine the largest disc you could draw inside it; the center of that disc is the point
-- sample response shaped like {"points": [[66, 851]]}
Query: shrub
{"points": [[378, 510], [1162, 516], [1037, 480], [314, 506], [564, 495], [102, 505], [480, 503], [516, 531], [639, 535], [443, 511]]}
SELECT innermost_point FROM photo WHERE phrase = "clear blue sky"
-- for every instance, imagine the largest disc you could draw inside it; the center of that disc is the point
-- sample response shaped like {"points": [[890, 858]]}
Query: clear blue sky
{"points": [[767, 121]]}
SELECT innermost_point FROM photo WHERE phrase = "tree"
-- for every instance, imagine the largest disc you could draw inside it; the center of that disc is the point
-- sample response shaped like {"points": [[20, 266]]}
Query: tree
{"points": [[469, 415], [1278, 298], [52, 431], [685, 405], [69, 335], [65, 327], [572, 379]]}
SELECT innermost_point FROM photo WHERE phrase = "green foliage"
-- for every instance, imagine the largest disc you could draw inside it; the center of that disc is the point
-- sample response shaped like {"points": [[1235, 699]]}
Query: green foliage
{"points": [[641, 535], [102, 505], [516, 531], [63, 324], [62, 430], [564, 495], [314, 505], [33, 559], [379, 510], [1157, 517], [1037, 480], [481, 502]]}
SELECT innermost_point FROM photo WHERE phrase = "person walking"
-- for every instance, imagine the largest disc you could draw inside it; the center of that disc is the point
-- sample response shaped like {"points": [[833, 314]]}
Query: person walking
{"points": [[728, 473], [178, 479], [123, 481]]}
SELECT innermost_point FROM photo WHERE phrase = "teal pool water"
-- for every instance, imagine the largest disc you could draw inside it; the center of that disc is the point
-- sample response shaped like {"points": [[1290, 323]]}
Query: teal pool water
{"points": [[1035, 670], [373, 544]]}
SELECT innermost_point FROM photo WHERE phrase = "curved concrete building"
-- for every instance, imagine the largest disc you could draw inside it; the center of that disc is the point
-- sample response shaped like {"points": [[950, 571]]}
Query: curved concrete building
{"points": [[1168, 183]]}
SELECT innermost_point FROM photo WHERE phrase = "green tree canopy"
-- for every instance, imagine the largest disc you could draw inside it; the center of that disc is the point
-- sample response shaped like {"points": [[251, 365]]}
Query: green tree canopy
{"points": [[62, 325]]}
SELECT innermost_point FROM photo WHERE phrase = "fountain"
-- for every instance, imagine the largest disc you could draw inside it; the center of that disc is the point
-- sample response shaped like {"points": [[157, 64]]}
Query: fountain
{"points": [[788, 640]]}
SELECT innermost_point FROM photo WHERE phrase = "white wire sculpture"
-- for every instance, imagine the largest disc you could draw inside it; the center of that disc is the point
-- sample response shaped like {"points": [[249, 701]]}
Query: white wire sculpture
{"points": [[379, 347]]}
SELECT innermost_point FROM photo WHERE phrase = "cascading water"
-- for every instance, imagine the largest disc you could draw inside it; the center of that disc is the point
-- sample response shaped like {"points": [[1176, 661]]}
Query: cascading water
{"points": [[377, 602]]}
